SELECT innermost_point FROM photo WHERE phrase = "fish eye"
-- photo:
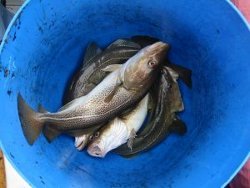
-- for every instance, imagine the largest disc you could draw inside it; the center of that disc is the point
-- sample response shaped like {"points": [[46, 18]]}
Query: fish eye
{"points": [[152, 63], [97, 134], [91, 137]]}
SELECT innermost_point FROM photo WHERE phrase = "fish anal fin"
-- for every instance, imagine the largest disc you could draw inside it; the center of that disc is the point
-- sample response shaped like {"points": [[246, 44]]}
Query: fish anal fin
{"points": [[111, 68], [50, 133]]}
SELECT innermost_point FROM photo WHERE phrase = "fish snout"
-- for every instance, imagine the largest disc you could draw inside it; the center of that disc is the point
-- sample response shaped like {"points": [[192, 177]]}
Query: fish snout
{"points": [[96, 150], [158, 50], [81, 142]]}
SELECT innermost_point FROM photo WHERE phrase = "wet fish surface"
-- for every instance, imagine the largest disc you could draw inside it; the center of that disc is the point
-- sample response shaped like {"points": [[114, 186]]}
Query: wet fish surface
{"points": [[126, 85], [95, 60], [119, 131], [91, 74], [165, 121], [142, 41]]}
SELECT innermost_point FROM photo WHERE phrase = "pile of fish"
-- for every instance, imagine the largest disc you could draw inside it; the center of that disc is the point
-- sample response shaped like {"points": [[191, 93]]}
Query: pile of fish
{"points": [[124, 98]]}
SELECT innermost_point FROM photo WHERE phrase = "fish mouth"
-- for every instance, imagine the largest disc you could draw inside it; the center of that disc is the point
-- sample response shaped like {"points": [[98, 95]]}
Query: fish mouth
{"points": [[80, 142], [96, 150], [158, 50]]}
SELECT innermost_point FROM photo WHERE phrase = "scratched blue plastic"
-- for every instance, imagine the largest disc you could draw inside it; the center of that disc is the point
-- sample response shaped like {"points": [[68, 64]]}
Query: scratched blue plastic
{"points": [[46, 43]]}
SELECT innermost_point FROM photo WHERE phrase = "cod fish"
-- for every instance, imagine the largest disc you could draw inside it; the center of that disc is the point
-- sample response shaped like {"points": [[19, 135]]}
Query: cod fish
{"points": [[127, 84], [185, 74], [143, 41], [95, 60], [165, 121], [119, 130], [91, 74]]}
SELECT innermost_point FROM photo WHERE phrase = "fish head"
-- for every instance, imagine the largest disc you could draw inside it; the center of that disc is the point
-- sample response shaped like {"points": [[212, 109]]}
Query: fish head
{"points": [[112, 136], [144, 66], [82, 141]]}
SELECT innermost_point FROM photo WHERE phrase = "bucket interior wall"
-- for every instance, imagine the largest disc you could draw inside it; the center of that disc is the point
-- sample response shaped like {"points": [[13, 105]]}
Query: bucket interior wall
{"points": [[45, 45]]}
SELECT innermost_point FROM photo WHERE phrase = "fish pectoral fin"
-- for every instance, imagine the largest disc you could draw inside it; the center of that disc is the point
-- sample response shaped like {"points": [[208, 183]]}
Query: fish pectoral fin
{"points": [[131, 139], [50, 133], [178, 127], [41, 109], [111, 68], [123, 43], [91, 51], [110, 96]]}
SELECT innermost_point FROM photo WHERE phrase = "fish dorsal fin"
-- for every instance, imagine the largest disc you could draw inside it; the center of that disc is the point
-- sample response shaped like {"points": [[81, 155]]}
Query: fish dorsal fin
{"points": [[178, 127], [123, 43], [91, 51], [50, 133], [111, 68]]}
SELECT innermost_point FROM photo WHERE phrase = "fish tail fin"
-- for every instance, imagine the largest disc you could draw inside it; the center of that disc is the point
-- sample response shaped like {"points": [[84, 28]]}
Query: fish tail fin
{"points": [[31, 125]]}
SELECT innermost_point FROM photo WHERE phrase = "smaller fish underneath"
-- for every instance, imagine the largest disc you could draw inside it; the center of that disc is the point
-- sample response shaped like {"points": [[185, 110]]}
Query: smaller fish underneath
{"points": [[82, 141], [119, 130]]}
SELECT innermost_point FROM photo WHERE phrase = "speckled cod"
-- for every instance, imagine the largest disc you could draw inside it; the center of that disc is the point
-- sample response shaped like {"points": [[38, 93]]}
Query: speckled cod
{"points": [[123, 87]]}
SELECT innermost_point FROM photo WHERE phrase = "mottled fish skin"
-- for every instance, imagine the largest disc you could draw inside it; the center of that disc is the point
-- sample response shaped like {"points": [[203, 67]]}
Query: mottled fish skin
{"points": [[137, 77], [88, 77], [116, 53], [165, 118], [119, 130], [90, 110]]}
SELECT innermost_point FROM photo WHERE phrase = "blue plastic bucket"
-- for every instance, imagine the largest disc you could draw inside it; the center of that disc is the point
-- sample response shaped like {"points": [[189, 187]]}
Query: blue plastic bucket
{"points": [[45, 44]]}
